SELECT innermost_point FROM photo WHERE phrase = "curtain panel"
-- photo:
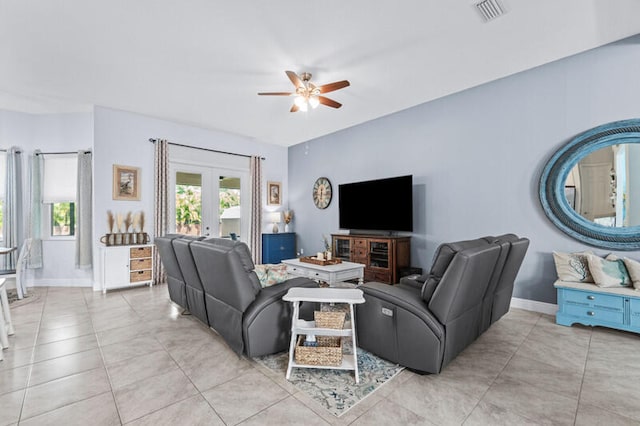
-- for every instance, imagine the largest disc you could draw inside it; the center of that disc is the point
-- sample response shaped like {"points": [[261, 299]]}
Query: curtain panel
{"points": [[161, 201], [35, 210], [84, 226], [255, 227], [13, 219]]}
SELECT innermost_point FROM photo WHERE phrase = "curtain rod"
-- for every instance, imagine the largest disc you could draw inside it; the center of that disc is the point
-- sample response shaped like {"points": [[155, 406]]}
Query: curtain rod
{"points": [[5, 150], [152, 140], [60, 153]]}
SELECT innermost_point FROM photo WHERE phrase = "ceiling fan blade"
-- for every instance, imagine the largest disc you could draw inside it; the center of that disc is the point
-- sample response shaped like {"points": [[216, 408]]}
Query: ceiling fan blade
{"points": [[294, 108], [329, 102], [326, 88], [294, 79], [276, 93]]}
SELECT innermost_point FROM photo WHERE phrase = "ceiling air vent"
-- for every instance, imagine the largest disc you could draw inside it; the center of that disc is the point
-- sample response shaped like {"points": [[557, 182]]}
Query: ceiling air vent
{"points": [[489, 9]]}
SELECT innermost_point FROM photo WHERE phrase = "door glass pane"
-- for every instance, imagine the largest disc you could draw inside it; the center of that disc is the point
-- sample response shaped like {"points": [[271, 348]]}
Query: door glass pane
{"points": [[229, 211], [188, 203]]}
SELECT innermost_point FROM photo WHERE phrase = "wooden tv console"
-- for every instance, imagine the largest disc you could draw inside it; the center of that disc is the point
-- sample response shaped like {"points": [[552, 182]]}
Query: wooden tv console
{"points": [[381, 256]]}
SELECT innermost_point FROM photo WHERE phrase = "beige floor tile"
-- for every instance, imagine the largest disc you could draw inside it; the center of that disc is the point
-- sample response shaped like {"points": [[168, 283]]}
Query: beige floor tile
{"points": [[13, 379], [561, 351], [434, 399], [21, 316], [589, 415], [146, 396], [515, 314], [131, 370], [486, 414], [14, 358], [127, 319], [98, 410], [612, 392], [543, 376], [121, 334], [58, 393], [389, 414], [10, 405], [244, 396], [64, 333], [23, 339], [533, 403], [209, 365], [131, 348], [195, 409], [66, 320], [289, 411], [65, 347], [63, 366]]}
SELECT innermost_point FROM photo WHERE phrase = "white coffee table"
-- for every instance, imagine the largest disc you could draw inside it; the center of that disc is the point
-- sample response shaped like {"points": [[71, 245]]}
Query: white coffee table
{"points": [[331, 274]]}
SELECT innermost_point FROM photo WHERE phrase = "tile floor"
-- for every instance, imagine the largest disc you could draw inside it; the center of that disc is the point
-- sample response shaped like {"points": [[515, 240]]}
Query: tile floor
{"points": [[129, 357]]}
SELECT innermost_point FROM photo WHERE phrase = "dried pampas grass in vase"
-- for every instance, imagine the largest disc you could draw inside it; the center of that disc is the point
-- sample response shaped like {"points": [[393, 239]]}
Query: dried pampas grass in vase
{"points": [[142, 237], [110, 221]]}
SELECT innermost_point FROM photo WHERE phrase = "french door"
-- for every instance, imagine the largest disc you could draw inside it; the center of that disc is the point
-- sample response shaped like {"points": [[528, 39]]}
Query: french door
{"points": [[208, 201]]}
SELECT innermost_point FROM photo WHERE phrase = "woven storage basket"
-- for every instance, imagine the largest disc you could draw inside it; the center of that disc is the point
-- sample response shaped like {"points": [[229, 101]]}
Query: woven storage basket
{"points": [[329, 349], [333, 320], [318, 355]]}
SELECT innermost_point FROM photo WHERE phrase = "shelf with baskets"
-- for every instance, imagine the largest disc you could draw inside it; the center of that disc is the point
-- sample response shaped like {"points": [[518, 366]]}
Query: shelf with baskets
{"points": [[329, 328]]}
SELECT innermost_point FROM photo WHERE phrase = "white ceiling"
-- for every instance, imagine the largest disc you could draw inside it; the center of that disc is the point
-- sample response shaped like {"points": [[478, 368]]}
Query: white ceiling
{"points": [[202, 62]]}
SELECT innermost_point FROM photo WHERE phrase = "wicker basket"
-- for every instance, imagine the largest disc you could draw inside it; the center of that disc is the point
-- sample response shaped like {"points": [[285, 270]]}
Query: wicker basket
{"points": [[318, 355], [329, 349]]}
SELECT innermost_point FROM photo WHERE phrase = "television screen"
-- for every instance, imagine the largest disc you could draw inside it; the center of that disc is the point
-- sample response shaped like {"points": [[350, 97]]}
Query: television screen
{"points": [[377, 205]]}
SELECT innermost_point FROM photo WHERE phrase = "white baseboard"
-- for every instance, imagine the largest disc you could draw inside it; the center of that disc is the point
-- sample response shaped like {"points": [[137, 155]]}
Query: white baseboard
{"points": [[533, 305], [53, 282]]}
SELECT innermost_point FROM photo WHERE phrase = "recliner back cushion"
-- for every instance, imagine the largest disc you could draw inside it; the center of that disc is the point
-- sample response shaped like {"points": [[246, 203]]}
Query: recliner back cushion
{"points": [[464, 284], [226, 270], [441, 260]]}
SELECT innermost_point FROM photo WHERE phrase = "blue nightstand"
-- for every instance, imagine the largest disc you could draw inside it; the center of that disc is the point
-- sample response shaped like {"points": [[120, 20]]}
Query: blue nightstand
{"points": [[276, 247]]}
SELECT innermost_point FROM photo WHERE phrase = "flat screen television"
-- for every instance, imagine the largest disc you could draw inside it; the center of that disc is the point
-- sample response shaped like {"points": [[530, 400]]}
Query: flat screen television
{"points": [[377, 205]]}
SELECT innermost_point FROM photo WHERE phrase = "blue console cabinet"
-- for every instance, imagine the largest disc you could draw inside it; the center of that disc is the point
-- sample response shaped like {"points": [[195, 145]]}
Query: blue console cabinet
{"points": [[594, 306], [276, 247]]}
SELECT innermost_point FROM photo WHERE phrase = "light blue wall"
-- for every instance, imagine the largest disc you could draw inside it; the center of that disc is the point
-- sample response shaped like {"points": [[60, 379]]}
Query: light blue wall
{"points": [[476, 157]]}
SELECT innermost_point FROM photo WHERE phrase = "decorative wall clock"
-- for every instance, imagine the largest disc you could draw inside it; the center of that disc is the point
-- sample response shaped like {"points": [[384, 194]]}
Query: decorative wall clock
{"points": [[322, 193]]}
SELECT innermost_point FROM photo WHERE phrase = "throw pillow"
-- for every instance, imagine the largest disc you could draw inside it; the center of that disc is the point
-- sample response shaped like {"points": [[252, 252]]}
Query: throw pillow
{"points": [[261, 272], [609, 272], [276, 274], [633, 267], [573, 266]]}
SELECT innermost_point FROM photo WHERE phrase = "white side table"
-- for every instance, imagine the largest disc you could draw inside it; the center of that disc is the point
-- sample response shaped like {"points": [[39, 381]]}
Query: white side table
{"points": [[299, 326]]}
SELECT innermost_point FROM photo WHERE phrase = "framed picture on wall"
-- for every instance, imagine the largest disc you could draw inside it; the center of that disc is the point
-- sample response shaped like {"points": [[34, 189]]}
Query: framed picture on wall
{"points": [[126, 183], [274, 193]]}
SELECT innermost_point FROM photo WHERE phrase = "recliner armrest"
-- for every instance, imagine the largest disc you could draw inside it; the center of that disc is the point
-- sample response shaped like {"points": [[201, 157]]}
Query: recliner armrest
{"points": [[405, 298], [273, 293]]}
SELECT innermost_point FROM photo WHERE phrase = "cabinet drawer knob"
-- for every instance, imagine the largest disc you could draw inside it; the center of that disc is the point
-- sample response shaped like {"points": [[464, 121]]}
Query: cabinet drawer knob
{"points": [[591, 297], [591, 313]]}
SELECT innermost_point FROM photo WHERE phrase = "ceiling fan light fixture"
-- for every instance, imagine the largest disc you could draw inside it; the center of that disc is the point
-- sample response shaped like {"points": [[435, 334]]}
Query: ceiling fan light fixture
{"points": [[314, 101]]}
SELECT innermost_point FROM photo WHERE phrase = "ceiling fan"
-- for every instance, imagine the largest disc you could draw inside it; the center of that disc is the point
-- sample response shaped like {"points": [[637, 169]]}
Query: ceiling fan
{"points": [[308, 94]]}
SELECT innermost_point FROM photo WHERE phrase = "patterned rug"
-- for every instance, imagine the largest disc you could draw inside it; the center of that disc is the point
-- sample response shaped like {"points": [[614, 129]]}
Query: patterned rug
{"points": [[336, 390], [33, 295]]}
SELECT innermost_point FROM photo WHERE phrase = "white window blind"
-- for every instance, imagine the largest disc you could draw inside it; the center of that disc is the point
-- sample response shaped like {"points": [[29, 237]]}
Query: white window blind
{"points": [[3, 174], [60, 178]]}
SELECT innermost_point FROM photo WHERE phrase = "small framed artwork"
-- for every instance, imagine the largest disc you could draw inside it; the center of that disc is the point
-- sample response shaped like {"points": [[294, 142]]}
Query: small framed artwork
{"points": [[126, 183], [274, 193]]}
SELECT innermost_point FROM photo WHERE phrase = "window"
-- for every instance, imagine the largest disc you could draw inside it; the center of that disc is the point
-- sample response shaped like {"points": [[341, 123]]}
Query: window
{"points": [[3, 178], [59, 194], [63, 219]]}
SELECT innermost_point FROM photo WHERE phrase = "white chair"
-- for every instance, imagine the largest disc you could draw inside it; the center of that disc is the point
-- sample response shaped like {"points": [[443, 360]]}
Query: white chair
{"points": [[18, 273], [6, 326]]}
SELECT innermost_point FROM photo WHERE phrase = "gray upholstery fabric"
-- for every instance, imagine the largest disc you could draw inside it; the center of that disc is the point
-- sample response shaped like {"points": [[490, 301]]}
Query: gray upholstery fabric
{"points": [[252, 320], [504, 288], [425, 333], [175, 280], [193, 285]]}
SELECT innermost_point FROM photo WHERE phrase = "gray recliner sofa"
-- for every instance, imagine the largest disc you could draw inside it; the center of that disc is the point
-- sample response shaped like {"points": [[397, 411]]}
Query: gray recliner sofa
{"points": [[251, 319], [426, 321], [192, 283], [175, 280]]}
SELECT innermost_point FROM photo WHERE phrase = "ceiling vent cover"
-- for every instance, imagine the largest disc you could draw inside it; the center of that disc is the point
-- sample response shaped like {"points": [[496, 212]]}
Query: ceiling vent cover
{"points": [[490, 9]]}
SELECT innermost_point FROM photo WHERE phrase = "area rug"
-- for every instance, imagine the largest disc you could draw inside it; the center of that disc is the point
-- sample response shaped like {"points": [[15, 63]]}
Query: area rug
{"points": [[34, 294], [336, 390]]}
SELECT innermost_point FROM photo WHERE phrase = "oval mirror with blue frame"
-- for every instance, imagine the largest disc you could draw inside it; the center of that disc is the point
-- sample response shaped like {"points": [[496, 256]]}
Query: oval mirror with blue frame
{"points": [[617, 234]]}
